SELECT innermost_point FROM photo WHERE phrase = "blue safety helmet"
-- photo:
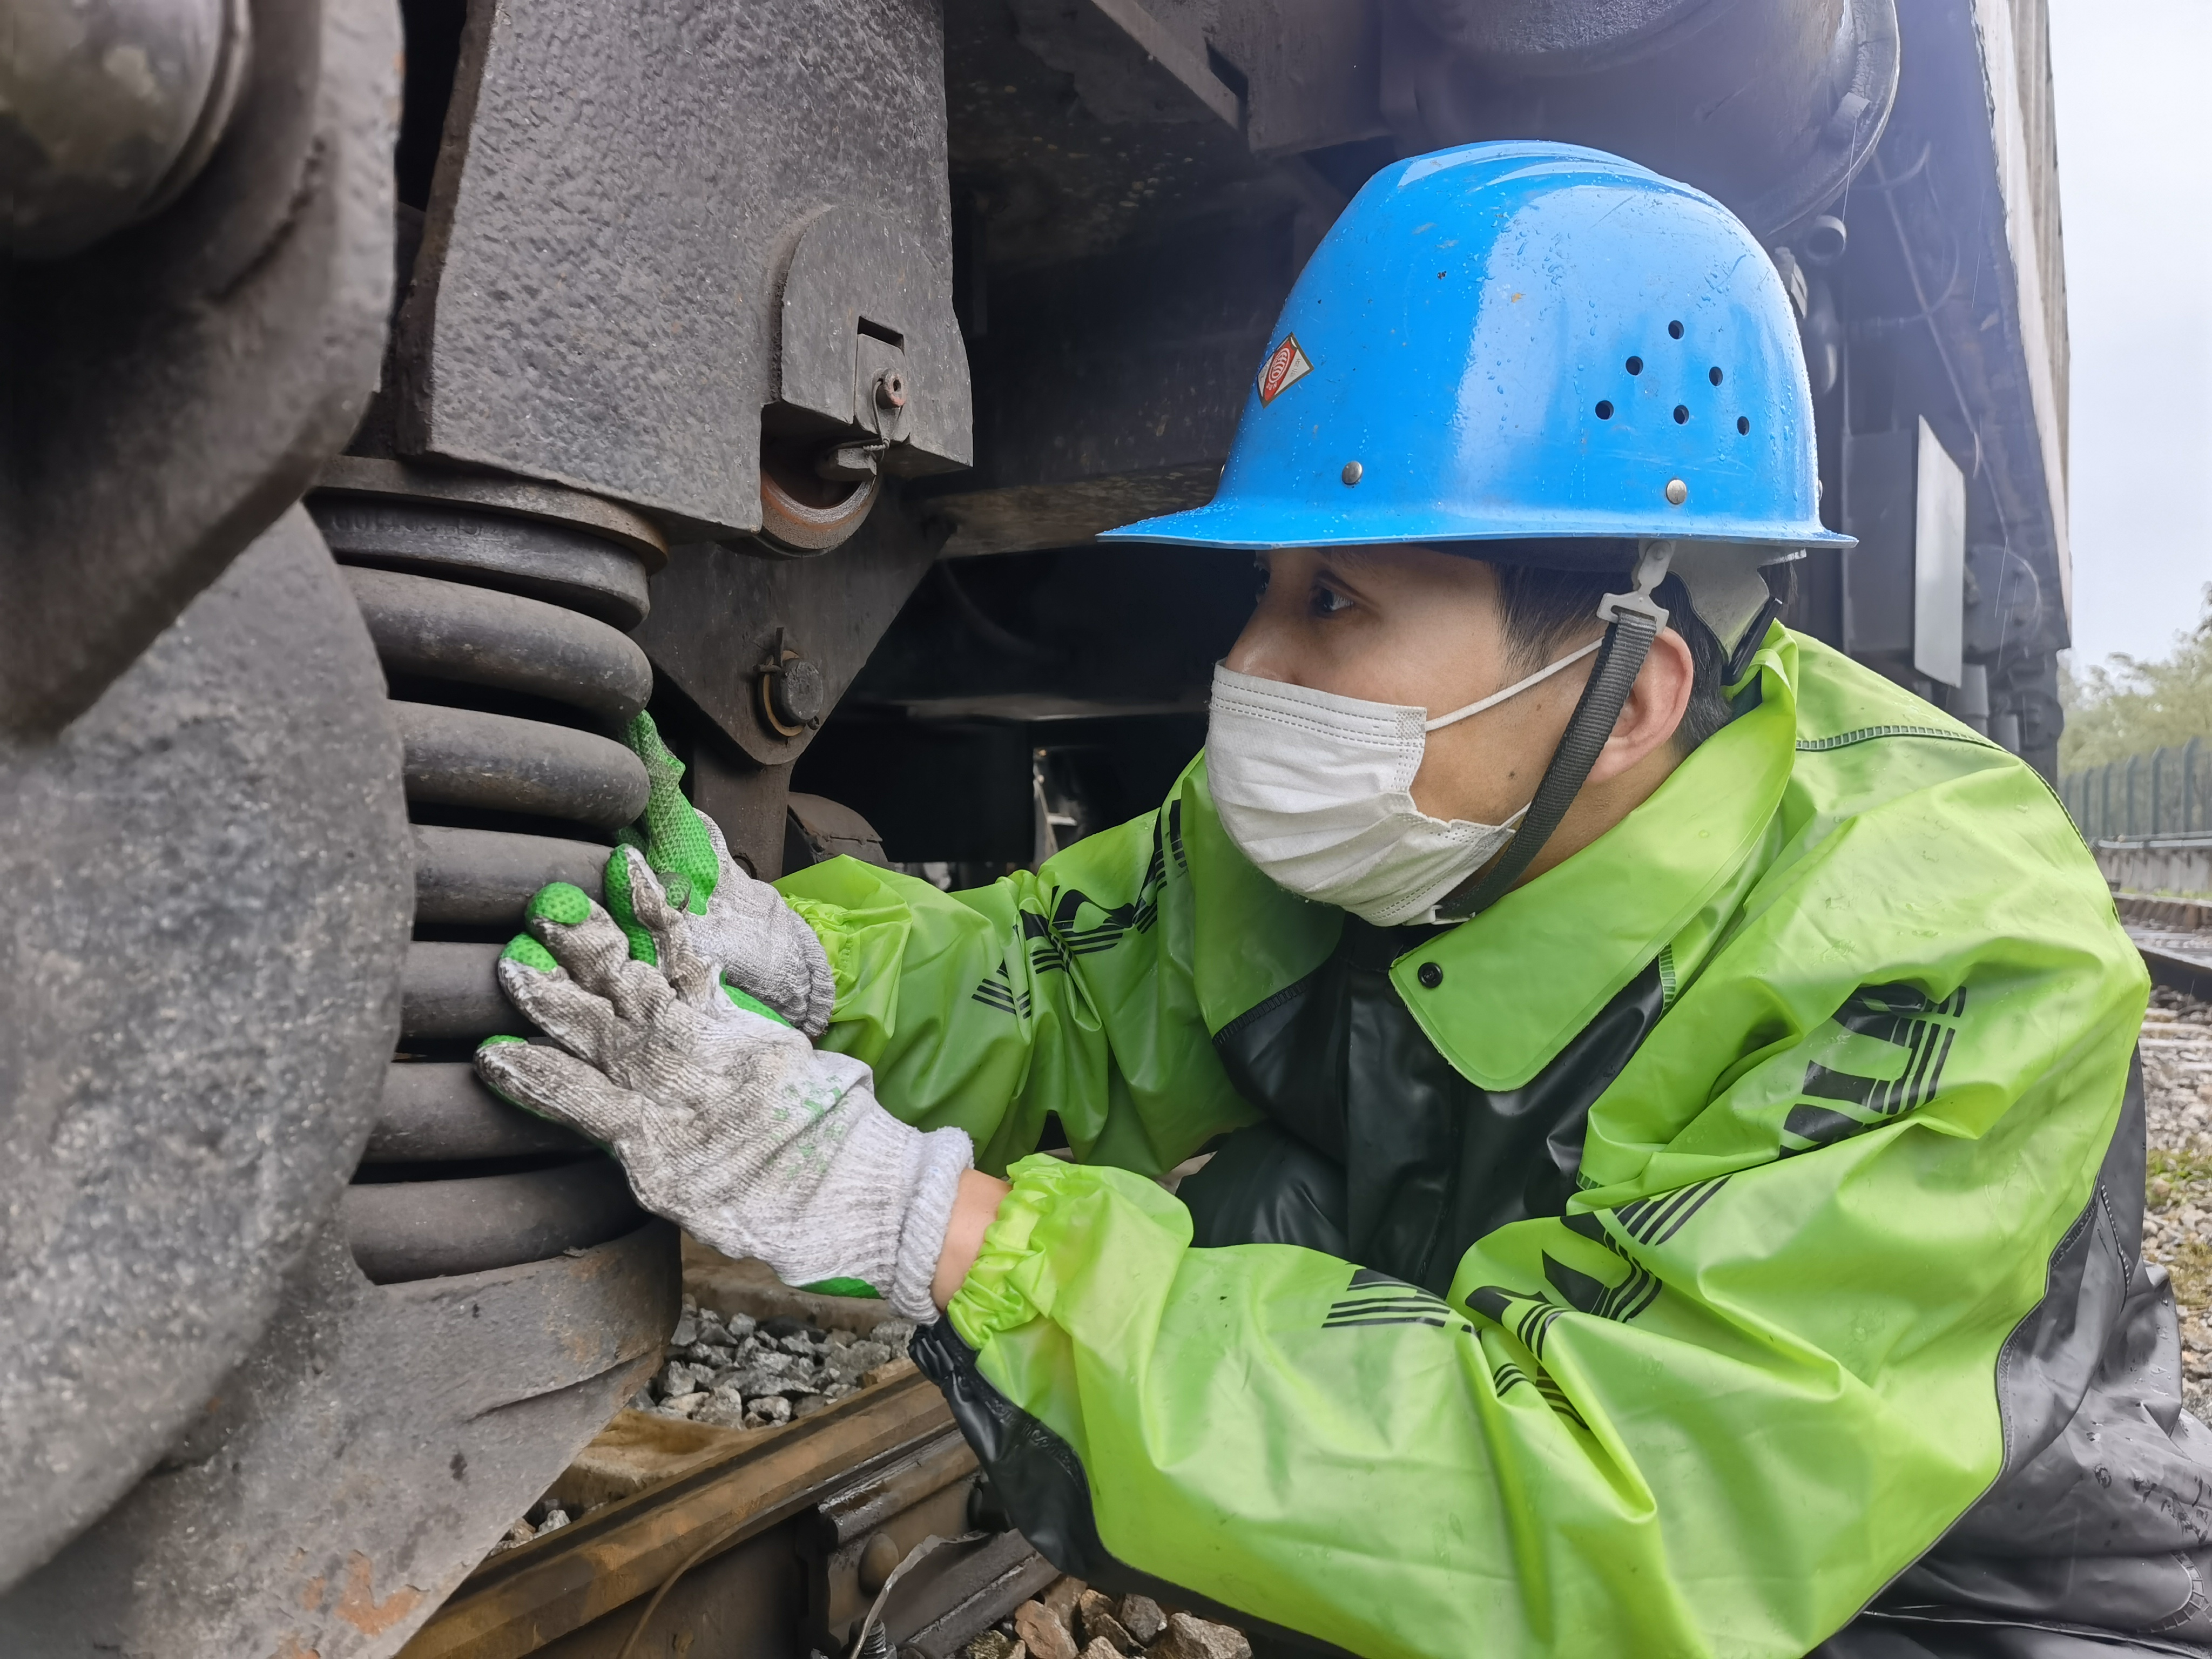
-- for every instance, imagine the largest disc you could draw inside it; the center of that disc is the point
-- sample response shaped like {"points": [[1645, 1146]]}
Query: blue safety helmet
{"points": [[1523, 341]]}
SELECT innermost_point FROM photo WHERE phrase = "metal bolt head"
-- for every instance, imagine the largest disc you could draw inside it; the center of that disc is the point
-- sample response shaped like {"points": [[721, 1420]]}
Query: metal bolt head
{"points": [[879, 1558], [1677, 492], [796, 694], [1353, 471], [890, 390]]}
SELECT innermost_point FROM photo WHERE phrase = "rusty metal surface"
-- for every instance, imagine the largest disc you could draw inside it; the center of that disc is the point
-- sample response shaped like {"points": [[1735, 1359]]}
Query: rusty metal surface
{"points": [[401, 1229], [365, 1458], [921, 1493], [718, 614], [866, 296], [1109, 388], [176, 385], [983, 1587], [521, 1601], [600, 297], [208, 877]]}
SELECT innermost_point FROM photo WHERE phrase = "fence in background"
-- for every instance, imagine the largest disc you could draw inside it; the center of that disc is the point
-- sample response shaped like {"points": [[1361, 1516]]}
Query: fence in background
{"points": [[2167, 792]]}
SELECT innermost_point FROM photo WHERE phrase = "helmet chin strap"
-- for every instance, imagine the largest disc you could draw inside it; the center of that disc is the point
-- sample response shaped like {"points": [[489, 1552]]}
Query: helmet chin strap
{"points": [[1632, 622]]}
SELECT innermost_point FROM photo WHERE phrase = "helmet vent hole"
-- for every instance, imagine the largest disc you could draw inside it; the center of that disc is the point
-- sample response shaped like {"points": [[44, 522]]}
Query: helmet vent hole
{"points": [[1635, 365], [1713, 374], [1743, 424], [1674, 330], [1605, 409], [1681, 414]]}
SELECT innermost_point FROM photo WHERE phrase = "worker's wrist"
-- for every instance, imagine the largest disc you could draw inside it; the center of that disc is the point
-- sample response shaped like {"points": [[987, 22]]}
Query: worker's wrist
{"points": [[974, 1208]]}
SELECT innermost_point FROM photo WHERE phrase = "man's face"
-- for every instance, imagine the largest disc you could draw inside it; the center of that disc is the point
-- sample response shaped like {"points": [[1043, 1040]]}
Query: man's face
{"points": [[1411, 625]]}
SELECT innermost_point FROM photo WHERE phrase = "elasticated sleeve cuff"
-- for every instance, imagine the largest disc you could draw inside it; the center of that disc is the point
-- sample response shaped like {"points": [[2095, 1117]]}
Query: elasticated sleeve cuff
{"points": [[1050, 1232]]}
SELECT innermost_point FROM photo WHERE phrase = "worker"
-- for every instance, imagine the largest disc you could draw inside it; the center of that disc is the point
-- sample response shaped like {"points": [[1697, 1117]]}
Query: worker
{"points": [[1677, 1162]]}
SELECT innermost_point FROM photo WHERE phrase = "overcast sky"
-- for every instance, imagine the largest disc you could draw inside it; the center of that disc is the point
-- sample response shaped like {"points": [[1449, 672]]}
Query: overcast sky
{"points": [[2135, 170]]}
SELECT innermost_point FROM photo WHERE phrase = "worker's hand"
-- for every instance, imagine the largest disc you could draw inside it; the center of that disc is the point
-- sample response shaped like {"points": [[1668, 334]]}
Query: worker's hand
{"points": [[728, 1120], [739, 927]]}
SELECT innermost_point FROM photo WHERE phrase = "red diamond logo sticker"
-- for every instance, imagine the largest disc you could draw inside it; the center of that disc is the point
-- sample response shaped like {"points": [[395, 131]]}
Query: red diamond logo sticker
{"points": [[1287, 365]]}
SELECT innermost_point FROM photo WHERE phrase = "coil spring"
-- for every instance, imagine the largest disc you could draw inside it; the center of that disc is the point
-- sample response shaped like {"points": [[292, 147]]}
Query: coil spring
{"points": [[501, 637]]}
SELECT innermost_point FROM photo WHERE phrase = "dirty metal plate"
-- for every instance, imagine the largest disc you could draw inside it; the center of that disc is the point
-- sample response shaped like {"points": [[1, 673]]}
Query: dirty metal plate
{"points": [[596, 302], [862, 295], [717, 613]]}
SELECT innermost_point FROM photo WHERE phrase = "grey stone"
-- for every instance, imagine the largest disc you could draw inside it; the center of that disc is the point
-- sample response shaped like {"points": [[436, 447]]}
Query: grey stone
{"points": [[755, 1382], [1188, 1637], [767, 1411], [1096, 1620], [677, 1377], [849, 1363], [1042, 1633], [724, 1407], [686, 1331], [893, 1333], [1141, 1617]]}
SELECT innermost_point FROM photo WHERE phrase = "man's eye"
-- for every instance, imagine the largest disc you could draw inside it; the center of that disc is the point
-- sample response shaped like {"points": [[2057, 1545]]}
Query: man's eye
{"points": [[1327, 602]]}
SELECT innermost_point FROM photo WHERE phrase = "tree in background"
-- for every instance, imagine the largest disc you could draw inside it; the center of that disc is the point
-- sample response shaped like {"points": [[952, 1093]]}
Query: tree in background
{"points": [[2126, 706]]}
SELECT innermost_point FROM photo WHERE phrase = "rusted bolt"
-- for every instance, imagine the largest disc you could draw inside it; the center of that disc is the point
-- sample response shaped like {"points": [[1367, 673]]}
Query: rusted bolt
{"points": [[793, 698], [879, 1558], [795, 694], [890, 390]]}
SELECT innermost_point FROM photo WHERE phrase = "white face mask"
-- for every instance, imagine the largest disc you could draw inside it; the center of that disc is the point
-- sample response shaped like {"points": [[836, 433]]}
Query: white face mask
{"points": [[1315, 789]]}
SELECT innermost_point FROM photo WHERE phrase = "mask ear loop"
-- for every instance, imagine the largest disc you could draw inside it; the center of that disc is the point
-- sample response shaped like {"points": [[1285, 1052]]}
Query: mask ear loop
{"points": [[1632, 622], [1513, 690]]}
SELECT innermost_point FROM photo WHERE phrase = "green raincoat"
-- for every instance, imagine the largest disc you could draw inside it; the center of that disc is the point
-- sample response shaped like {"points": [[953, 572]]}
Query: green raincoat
{"points": [[1821, 1247]]}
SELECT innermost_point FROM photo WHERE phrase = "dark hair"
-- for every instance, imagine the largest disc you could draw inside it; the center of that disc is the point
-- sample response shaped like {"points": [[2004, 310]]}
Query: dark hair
{"points": [[1549, 612]]}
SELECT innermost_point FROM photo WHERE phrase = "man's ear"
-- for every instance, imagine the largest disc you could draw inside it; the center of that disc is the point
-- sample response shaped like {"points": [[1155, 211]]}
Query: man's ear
{"points": [[1654, 709]]}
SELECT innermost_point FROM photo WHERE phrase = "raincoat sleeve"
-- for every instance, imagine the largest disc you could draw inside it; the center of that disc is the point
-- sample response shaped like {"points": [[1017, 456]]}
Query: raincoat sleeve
{"points": [[1066, 991], [1712, 1409]]}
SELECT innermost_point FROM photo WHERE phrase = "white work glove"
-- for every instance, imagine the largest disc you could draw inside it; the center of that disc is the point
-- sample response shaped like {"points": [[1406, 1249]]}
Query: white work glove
{"points": [[727, 1123], [740, 928]]}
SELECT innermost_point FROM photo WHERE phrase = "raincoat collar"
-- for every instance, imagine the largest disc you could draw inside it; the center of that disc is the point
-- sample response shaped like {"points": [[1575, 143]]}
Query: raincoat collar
{"points": [[1503, 992]]}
